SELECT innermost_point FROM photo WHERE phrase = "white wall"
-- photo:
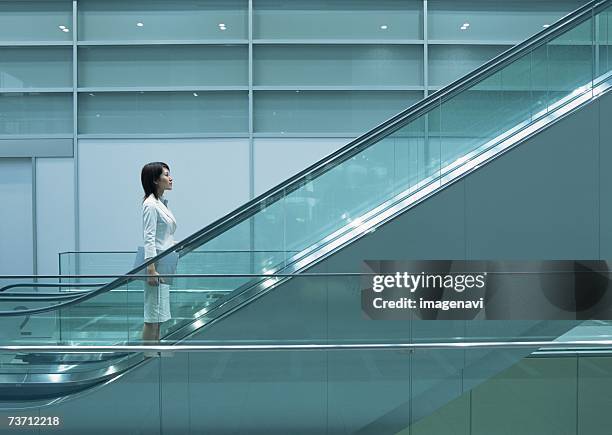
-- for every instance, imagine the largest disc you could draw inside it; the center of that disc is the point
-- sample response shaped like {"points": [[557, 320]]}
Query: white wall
{"points": [[211, 178], [54, 212], [16, 235]]}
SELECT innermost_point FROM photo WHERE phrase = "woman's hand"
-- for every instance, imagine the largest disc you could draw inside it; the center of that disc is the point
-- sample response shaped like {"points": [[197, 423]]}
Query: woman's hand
{"points": [[152, 280]]}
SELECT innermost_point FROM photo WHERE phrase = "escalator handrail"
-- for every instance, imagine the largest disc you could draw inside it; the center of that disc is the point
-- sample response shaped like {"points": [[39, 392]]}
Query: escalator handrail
{"points": [[248, 209], [49, 285]]}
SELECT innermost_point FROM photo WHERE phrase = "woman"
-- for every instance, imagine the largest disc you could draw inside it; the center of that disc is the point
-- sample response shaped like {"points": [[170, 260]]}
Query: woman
{"points": [[158, 226]]}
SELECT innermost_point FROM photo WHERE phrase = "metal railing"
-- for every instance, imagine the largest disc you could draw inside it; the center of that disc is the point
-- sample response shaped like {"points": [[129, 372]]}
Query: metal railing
{"points": [[581, 344]]}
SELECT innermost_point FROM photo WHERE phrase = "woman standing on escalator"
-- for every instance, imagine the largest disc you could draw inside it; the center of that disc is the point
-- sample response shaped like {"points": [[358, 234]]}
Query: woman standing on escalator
{"points": [[159, 225]]}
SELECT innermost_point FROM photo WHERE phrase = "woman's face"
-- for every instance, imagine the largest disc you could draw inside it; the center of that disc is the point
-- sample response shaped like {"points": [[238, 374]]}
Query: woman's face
{"points": [[165, 181]]}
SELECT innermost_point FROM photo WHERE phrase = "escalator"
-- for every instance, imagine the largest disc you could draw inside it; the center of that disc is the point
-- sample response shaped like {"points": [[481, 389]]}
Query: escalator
{"points": [[349, 207]]}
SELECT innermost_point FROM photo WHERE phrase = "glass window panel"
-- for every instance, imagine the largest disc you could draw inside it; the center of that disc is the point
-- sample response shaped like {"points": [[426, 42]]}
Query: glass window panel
{"points": [[594, 400], [603, 40], [570, 58], [35, 20], [328, 202], [338, 111], [163, 112], [336, 198], [512, 20], [481, 116], [174, 65], [488, 111], [35, 113], [341, 195], [338, 65], [35, 67], [162, 20], [416, 153], [563, 65], [338, 19], [447, 63], [525, 390]]}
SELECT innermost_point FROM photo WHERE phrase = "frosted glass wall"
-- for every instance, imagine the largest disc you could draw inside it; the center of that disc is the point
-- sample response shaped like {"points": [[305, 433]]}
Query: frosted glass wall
{"points": [[241, 68]]}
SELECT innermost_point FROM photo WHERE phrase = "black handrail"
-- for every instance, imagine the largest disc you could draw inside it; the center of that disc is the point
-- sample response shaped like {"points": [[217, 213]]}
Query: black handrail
{"points": [[391, 125], [49, 285]]}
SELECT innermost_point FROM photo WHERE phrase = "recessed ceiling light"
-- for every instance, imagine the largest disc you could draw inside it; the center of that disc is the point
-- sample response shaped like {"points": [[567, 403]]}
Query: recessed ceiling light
{"points": [[384, 27], [546, 25], [140, 24], [62, 27], [195, 94], [66, 30]]}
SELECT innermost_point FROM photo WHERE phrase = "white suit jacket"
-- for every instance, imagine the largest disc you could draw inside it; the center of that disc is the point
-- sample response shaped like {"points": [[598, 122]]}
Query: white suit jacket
{"points": [[158, 224]]}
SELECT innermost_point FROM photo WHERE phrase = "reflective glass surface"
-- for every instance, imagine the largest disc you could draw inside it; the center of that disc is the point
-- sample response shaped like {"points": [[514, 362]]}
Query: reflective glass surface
{"points": [[174, 65], [20, 67], [512, 20], [36, 20], [336, 19], [329, 111], [162, 112], [113, 20], [339, 65], [35, 113], [447, 63]]}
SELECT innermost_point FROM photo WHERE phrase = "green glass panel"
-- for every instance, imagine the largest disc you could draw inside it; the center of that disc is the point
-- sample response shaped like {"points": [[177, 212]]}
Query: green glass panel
{"points": [[512, 20], [345, 65], [521, 399], [604, 40], [365, 386], [40, 328], [163, 112], [104, 319], [570, 58], [475, 117], [36, 20], [452, 419], [172, 65], [594, 399], [35, 113], [411, 150], [327, 112], [35, 67], [337, 19], [447, 63], [113, 20]]}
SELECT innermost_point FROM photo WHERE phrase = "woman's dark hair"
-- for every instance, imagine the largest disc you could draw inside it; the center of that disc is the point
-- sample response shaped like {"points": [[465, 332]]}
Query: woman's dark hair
{"points": [[149, 175]]}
